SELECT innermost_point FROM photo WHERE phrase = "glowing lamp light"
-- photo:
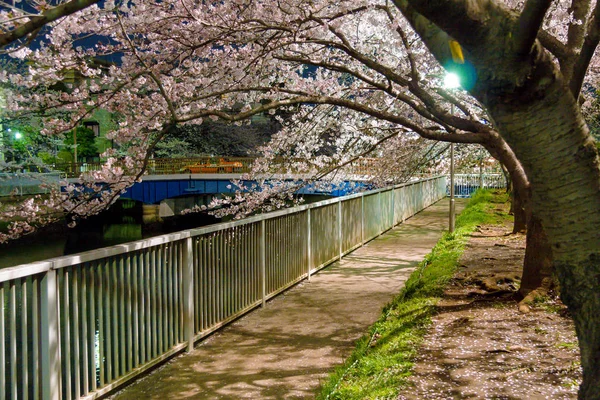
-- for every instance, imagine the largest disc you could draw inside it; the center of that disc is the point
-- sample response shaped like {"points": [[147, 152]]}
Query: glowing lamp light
{"points": [[18, 135], [451, 81]]}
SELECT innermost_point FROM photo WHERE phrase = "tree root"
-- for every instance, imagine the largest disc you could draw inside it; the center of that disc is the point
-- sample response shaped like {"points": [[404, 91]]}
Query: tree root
{"points": [[542, 291], [498, 283]]}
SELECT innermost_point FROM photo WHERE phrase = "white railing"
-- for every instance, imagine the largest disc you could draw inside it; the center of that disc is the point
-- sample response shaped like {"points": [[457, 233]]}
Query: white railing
{"points": [[466, 184], [79, 326]]}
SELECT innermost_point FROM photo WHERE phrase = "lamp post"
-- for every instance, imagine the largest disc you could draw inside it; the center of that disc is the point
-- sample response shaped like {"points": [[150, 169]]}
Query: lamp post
{"points": [[451, 81]]}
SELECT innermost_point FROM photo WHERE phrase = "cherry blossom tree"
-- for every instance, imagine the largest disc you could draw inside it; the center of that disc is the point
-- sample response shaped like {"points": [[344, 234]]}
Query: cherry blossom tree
{"points": [[523, 68], [530, 81], [244, 60], [168, 77]]}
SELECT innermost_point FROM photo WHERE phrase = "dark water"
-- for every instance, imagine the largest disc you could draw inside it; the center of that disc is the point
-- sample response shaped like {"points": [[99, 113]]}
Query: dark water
{"points": [[123, 222]]}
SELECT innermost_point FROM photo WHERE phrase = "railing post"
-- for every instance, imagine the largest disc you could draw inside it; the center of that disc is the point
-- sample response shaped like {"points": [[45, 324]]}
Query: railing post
{"points": [[393, 201], [188, 293], [308, 243], [263, 262], [379, 213], [362, 218], [50, 339], [340, 227]]}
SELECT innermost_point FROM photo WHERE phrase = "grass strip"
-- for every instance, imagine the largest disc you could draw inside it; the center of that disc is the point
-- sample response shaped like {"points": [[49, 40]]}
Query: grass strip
{"points": [[383, 358]]}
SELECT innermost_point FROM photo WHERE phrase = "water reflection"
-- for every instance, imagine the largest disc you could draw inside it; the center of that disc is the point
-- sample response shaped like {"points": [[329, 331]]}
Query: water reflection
{"points": [[125, 221]]}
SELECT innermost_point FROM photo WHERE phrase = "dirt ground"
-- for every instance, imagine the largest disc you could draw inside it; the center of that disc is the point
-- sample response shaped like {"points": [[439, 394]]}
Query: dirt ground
{"points": [[481, 347]]}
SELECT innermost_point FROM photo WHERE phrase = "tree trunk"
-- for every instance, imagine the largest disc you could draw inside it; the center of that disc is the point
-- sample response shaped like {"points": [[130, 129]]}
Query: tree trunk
{"points": [[550, 138], [537, 272], [537, 276], [540, 120], [515, 176], [518, 210]]}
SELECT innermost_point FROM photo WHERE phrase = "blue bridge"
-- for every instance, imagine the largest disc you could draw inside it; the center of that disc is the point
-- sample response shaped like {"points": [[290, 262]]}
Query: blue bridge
{"points": [[155, 188]]}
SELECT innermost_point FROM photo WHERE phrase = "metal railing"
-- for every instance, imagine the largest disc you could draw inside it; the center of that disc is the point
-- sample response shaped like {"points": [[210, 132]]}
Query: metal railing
{"points": [[168, 166], [80, 326], [466, 184], [12, 184]]}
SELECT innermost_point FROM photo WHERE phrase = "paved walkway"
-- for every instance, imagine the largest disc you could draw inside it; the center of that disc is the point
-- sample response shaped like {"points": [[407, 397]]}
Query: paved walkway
{"points": [[284, 351]]}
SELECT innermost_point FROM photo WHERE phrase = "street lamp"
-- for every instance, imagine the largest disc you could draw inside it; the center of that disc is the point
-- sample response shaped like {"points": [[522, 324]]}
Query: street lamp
{"points": [[451, 81]]}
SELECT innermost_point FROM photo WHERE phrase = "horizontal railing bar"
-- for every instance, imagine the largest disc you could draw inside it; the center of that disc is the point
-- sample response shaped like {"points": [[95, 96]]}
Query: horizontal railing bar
{"points": [[22, 271]]}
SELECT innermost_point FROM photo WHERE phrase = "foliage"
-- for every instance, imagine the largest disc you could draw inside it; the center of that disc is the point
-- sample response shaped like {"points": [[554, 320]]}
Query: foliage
{"points": [[86, 142], [383, 358], [172, 148], [22, 141], [376, 66], [225, 139]]}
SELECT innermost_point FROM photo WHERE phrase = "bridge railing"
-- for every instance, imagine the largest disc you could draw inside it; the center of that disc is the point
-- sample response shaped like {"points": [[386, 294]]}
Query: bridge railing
{"points": [[165, 166], [466, 184], [219, 164], [80, 326]]}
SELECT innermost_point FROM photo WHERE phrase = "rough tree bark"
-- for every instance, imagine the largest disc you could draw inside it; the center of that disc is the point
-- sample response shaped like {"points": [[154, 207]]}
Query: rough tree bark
{"points": [[519, 202], [536, 278], [549, 136], [539, 118], [538, 262]]}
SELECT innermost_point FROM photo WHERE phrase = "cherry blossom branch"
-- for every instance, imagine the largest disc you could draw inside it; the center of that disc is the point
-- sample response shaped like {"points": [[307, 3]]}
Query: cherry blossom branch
{"points": [[432, 111], [50, 15], [384, 87], [149, 72]]}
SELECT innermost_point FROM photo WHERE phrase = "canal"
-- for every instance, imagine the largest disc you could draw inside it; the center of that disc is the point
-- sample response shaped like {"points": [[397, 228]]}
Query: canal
{"points": [[126, 221]]}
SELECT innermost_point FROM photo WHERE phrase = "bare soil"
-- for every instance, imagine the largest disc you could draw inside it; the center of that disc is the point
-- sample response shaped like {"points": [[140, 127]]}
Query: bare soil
{"points": [[481, 347]]}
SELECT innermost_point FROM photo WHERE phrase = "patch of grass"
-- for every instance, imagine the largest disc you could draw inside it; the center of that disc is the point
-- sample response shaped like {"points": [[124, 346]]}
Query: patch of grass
{"points": [[384, 357], [568, 345], [570, 383], [540, 331], [547, 304], [500, 306]]}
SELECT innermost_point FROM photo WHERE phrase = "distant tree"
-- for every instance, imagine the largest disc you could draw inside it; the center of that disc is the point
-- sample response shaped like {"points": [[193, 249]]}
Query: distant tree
{"points": [[225, 139], [86, 142], [22, 141], [172, 147]]}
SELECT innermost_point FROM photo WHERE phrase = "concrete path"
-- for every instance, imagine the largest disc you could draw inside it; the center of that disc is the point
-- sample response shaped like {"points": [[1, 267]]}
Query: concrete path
{"points": [[285, 350]]}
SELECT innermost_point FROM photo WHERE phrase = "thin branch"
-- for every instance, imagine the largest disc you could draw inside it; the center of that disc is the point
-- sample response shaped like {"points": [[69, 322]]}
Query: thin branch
{"points": [[150, 73], [555, 46]]}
